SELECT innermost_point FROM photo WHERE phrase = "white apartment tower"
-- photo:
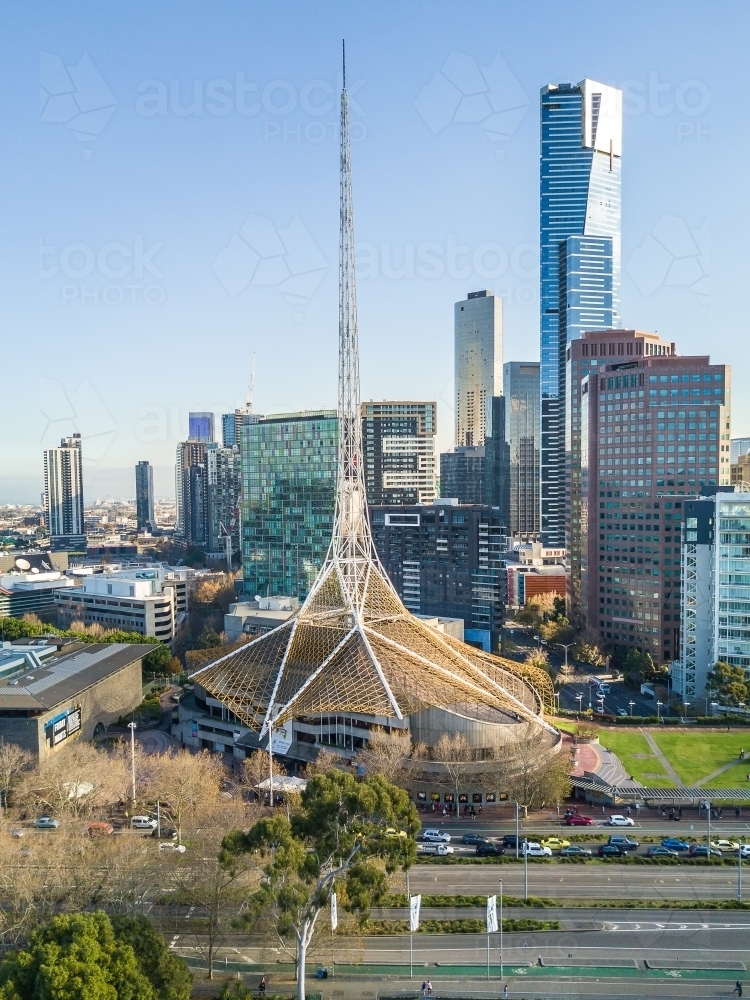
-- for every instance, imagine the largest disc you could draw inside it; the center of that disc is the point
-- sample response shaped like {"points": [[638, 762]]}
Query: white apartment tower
{"points": [[63, 494], [478, 346]]}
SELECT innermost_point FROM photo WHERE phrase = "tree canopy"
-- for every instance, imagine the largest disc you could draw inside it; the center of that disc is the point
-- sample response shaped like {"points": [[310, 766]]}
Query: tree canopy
{"points": [[84, 956]]}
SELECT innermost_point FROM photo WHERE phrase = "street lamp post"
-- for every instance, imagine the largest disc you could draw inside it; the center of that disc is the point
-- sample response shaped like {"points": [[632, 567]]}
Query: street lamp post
{"points": [[516, 829], [580, 699], [501, 928], [525, 868], [658, 707], [131, 727], [631, 703], [739, 871], [685, 707]]}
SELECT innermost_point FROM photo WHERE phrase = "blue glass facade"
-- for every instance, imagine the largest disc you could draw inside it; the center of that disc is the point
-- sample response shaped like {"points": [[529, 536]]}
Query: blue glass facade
{"points": [[579, 255]]}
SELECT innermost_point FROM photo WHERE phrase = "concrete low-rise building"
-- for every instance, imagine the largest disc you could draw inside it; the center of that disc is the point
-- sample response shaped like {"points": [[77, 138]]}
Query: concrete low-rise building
{"points": [[253, 618], [137, 602], [54, 690], [30, 593]]}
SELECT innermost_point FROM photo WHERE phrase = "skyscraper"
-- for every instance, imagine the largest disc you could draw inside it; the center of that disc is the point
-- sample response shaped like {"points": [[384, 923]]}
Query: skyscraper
{"points": [[462, 474], [224, 485], [740, 446], [654, 432], [398, 442], [144, 497], [522, 423], [229, 436], [191, 492], [63, 495], [478, 351], [289, 465], [581, 147], [201, 427]]}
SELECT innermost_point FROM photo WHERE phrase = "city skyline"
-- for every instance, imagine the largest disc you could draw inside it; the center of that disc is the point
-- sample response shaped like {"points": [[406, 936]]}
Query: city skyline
{"points": [[458, 193]]}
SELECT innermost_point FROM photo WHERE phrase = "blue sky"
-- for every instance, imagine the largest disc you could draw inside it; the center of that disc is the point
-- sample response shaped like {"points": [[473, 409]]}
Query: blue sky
{"points": [[171, 204]]}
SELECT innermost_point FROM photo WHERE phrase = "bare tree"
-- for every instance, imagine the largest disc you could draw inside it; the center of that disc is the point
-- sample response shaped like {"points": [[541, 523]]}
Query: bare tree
{"points": [[216, 890], [75, 781], [14, 761], [184, 782], [533, 771], [388, 754], [325, 761], [256, 768], [456, 758]]}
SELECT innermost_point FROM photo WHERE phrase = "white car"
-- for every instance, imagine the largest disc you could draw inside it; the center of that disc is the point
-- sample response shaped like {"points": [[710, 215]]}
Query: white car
{"points": [[436, 836], [143, 823], [619, 820], [604, 689], [439, 849], [170, 846], [534, 850]]}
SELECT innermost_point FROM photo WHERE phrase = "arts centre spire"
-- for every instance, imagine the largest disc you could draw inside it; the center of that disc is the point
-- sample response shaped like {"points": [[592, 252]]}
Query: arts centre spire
{"points": [[353, 646]]}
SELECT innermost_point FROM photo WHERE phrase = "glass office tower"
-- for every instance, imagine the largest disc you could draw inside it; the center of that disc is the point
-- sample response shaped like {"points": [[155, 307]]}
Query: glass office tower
{"points": [[478, 360], [289, 464], [581, 146], [521, 385]]}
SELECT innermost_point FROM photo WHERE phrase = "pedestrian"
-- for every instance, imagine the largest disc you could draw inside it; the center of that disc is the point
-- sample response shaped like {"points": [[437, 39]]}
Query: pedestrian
{"points": [[429, 988], [737, 988], [505, 990], [424, 987], [262, 987]]}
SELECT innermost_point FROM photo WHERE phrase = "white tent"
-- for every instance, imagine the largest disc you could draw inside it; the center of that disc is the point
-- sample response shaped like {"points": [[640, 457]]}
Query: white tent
{"points": [[285, 783]]}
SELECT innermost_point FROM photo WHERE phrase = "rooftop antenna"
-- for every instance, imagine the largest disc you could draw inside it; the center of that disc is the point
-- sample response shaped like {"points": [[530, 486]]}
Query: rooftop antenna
{"points": [[251, 387], [343, 61]]}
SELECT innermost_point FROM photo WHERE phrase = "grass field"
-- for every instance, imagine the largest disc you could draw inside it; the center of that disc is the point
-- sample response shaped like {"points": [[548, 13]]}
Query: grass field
{"points": [[695, 754], [637, 756]]}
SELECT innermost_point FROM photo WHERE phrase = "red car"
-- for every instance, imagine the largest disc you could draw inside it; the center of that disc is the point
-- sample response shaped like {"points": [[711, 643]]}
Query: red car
{"points": [[576, 820]]}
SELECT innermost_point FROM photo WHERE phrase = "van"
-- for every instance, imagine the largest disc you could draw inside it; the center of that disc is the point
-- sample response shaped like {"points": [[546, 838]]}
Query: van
{"points": [[143, 823], [440, 849]]}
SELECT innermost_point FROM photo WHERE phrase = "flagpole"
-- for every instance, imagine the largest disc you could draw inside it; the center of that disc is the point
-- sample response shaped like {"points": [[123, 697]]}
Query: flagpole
{"points": [[501, 928]]}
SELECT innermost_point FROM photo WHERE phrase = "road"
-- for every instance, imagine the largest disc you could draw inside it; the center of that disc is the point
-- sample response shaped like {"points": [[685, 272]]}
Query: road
{"points": [[608, 880]]}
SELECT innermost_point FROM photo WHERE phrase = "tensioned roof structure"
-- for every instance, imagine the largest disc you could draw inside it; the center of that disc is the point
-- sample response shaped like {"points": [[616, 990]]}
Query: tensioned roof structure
{"points": [[353, 646]]}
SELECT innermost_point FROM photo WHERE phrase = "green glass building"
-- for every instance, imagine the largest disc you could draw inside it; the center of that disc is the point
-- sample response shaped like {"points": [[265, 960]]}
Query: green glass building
{"points": [[289, 463]]}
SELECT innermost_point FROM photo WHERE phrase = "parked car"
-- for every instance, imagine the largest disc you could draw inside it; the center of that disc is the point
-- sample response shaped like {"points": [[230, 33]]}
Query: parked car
{"points": [[675, 844], [170, 846], [626, 843], [534, 850], [575, 851], [473, 838], [744, 850], [619, 820], [436, 836], [440, 849], [701, 851], [46, 823], [622, 713], [555, 843], [143, 823], [611, 851], [488, 850], [661, 852], [167, 833], [98, 829], [576, 820], [725, 845]]}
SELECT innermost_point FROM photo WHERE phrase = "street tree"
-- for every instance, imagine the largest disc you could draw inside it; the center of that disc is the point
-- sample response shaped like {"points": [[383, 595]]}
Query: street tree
{"points": [[387, 754], [534, 772], [338, 834], [168, 974], [257, 767], [635, 668], [727, 684], [75, 781], [455, 756], [183, 782], [14, 761]]}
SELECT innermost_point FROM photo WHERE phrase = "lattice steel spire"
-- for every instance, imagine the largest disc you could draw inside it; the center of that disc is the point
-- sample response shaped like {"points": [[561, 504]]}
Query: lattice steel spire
{"points": [[351, 545], [353, 646]]}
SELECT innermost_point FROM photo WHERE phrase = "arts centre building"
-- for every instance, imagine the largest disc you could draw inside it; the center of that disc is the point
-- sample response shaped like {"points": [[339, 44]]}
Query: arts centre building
{"points": [[352, 659]]}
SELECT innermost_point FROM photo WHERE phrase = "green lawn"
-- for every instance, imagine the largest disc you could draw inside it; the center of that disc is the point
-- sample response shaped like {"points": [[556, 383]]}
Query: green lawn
{"points": [[734, 777], [694, 754], [636, 756]]}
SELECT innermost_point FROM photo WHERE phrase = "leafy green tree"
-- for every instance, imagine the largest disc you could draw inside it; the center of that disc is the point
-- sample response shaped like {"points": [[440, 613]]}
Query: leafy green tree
{"points": [[158, 661], [635, 668], [169, 976], [339, 834], [75, 957], [208, 638], [728, 684]]}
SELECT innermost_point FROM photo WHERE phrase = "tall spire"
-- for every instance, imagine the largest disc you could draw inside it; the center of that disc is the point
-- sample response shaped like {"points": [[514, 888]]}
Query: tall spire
{"points": [[351, 545]]}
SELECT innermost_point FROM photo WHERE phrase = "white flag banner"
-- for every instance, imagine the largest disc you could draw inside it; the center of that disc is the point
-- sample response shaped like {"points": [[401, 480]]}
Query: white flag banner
{"points": [[491, 914], [414, 903], [334, 912]]}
